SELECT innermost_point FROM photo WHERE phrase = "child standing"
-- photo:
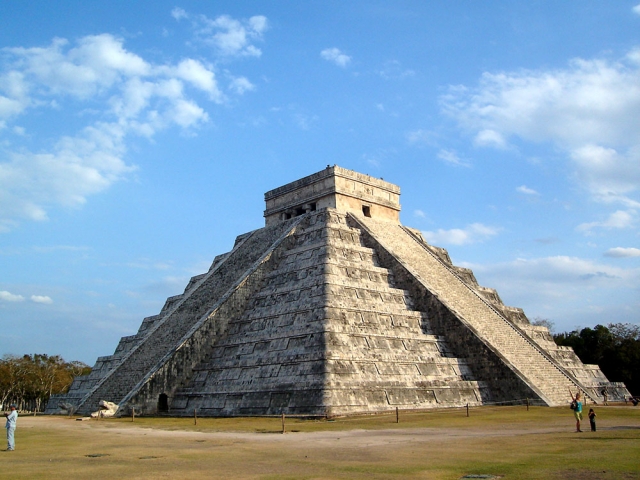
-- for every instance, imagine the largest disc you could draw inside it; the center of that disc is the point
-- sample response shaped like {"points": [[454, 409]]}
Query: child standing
{"points": [[592, 419]]}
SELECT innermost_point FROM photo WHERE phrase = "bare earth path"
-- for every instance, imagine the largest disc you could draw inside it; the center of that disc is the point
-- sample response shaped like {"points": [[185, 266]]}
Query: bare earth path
{"points": [[508, 442], [355, 438]]}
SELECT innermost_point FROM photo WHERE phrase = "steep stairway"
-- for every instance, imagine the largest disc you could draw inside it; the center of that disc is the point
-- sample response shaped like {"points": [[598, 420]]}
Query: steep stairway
{"points": [[327, 333], [186, 311], [381, 352], [521, 354]]}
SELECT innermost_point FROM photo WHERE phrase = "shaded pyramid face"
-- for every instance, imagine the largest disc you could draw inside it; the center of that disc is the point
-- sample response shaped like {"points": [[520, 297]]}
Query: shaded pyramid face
{"points": [[327, 333], [333, 308]]}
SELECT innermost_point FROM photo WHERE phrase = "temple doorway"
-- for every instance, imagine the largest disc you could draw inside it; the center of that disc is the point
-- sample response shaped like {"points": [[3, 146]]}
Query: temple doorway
{"points": [[163, 403]]}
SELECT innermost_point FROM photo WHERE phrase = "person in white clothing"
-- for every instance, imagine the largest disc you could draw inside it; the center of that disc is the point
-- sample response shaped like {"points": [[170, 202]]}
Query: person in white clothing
{"points": [[12, 419]]}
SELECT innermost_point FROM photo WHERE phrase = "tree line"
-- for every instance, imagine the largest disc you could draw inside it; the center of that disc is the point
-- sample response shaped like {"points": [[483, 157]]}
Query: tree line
{"points": [[29, 380], [615, 348]]}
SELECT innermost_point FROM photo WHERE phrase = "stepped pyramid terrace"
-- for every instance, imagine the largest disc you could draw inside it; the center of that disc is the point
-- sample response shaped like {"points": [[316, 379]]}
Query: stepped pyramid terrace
{"points": [[333, 308]]}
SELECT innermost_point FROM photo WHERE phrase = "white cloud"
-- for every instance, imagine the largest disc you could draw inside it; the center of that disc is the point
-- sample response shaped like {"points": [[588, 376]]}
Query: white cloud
{"points": [[588, 109], [558, 269], [232, 37], [526, 190], [490, 138], [636, 9], [634, 55], [128, 94], [379, 156], [259, 24], [422, 137], [451, 157], [419, 213], [135, 95], [336, 56], [77, 167], [98, 67], [592, 101], [568, 290], [15, 99], [179, 13], [199, 76], [96, 63], [476, 232], [10, 297], [41, 299], [608, 174], [617, 220], [240, 85], [372, 160], [393, 70], [187, 113], [621, 252], [303, 121]]}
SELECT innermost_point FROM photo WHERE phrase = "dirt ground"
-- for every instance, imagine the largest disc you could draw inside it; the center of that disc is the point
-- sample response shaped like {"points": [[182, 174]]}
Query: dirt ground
{"points": [[507, 444], [291, 439]]}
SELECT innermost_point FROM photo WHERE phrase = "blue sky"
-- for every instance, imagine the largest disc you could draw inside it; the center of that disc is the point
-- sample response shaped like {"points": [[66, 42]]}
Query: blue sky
{"points": [[137, 140]]}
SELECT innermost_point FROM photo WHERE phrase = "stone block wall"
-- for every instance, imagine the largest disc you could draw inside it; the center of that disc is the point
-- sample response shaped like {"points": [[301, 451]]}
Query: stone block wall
{"points": [[332, 314], [484, 364], [433, 276], [339, 310], [327, 334], [271, 359], [177, 317]]}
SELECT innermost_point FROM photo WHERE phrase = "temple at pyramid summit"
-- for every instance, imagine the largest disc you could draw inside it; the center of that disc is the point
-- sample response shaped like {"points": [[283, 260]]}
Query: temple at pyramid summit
{"points": [[333, 308]]}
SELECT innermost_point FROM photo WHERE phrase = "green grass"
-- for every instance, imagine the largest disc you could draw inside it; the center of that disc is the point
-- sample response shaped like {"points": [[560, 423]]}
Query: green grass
{"points": [[506, 441]]}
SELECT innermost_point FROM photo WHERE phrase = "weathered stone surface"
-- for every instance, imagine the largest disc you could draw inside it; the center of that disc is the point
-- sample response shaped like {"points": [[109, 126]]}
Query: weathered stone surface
{"points": [[106, 410], [336, 310], [337, 188]]}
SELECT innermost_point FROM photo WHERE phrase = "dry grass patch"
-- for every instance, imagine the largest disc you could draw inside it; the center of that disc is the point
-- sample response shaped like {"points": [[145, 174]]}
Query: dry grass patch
{"points": [[508, 441]]}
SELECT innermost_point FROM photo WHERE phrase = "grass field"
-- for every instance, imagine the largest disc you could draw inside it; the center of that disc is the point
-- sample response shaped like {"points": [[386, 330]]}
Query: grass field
{"points": [[506, 442]]}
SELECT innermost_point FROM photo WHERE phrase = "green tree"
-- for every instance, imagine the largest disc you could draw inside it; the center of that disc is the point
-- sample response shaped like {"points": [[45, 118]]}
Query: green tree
{"points": [[615, 348], [30, 380]]}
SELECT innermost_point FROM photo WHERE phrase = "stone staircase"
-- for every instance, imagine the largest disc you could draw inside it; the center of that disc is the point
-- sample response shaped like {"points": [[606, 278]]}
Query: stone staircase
{"points": [[381, 352], [271, 359], [328, 333], [167, 333], [528, 361], [590, 377]]}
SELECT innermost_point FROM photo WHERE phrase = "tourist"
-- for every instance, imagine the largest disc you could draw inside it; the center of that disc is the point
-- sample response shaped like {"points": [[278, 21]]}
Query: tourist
{"points": [[11, 427], [576, 406], [592, 419], [605, 395]]}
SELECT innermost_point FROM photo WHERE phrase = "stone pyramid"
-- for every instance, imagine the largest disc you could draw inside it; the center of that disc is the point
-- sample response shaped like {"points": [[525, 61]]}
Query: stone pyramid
{"points": [[333, 308]]}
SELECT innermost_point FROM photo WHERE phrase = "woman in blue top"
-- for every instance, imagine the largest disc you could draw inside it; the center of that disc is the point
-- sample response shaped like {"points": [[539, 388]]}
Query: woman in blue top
{"points": [[577, 412]]}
